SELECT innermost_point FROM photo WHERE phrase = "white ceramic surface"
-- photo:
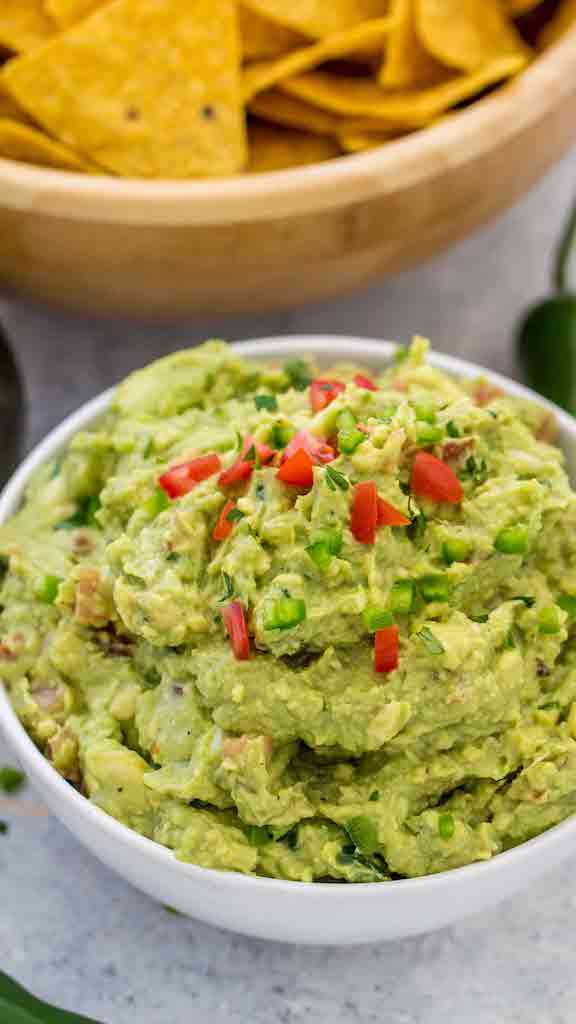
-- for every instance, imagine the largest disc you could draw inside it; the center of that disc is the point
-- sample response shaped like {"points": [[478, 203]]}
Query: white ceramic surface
{"points": [[268, 908]]}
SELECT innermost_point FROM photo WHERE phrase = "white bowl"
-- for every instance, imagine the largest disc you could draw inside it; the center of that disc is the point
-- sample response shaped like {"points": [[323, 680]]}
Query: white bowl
{"points": [[330, 913]]}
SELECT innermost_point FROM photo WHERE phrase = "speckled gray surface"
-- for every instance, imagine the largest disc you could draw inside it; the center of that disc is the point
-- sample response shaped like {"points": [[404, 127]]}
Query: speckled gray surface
{"points": [[79, 936]]}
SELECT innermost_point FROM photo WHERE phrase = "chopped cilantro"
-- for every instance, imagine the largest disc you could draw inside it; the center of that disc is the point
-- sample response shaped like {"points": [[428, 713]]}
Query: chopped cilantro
{"points": [[431, 642], [267, 402], [335, 480]]}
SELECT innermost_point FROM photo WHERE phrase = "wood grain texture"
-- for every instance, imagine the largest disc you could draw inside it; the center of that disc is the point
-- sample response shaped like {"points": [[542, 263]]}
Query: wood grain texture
{"points": [[166, 250]]}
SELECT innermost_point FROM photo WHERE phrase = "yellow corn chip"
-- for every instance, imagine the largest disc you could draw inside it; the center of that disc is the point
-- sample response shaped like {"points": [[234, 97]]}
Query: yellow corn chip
{"points": [[407, 63], [278, 108], [468, 34], [67, 12], [28, 145], [265, 73], [562, 22], [359, 142], [514, 8], [9, 109], [23, 24], [319, 18], [274, 149], [263, 38], [361, 97], [146, 88]]}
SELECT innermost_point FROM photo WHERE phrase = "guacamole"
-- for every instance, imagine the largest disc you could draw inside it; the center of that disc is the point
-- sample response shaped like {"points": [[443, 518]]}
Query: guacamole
{"points": [[309, 624]]}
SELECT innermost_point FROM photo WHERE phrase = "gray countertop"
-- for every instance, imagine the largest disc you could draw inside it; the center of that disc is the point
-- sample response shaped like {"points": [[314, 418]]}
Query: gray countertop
{"points": [[79, 936]]}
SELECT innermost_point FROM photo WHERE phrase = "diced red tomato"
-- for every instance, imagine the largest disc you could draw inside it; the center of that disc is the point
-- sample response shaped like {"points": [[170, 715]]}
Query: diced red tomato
{"points": [[364, 519], [243, 468], [432, 478], [235, 622], [324, 391], [318, 450], [264, 452], [386, 643], [298, 470], [364, 382], [485, 392], [224, 526], [236, 473], [181, 479], [387, 515]]}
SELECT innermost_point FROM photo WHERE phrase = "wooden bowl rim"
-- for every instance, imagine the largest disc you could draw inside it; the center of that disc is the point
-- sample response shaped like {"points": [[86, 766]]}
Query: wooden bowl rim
{"points": [[459, 140]]}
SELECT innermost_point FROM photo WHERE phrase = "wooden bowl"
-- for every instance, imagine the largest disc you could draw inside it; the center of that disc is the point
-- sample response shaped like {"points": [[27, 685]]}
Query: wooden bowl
{"points": [[165, 250]]}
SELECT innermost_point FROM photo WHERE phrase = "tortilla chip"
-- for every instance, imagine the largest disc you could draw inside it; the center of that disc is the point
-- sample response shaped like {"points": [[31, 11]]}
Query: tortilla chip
{"points": [[514, 8], [277, 108], [360, 142], [319, 18], [561, 23], [468, 34], [144, 88], [265, 73], [361, 97], [28, 145], [9, 109], [407, 63], [23, 25], [274, 149], [263, 38], [67, 12]]}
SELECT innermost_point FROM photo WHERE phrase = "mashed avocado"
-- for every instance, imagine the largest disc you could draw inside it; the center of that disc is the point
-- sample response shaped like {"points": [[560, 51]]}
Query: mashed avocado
{"points": [[300, 623]]}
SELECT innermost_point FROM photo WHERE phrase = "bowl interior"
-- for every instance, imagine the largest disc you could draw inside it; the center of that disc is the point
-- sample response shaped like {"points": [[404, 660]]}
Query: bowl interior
{"points": [[327, 349]]}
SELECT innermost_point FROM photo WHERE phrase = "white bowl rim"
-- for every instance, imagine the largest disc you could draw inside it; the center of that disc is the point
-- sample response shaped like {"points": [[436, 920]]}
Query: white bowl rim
{"points": [[339, 346], [459, 138]]}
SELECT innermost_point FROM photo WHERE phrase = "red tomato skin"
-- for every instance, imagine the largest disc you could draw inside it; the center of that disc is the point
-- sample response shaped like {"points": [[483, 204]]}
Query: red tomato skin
{"points": [[298, 470], [235, 622], [386, 644], [364, 518], [431, 478]]}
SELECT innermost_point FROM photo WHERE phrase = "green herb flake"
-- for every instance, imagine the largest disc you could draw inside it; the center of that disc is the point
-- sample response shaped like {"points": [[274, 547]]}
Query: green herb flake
{"points": [[567, 603], [452, 430], [4, 828], [374, 796], [434, 588], [298, 374], [11, 779], [431, 642], [336, 479], [234, 515], [401, 599], [363, 832], [446, 826], [266, 403], [257, 835], [148, 448], [529, 602], [228, 587], [172, 556], [85, 514]]}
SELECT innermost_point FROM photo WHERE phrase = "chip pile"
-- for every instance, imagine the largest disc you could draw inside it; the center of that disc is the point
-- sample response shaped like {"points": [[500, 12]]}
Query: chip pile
{"points": [[179, 89]]}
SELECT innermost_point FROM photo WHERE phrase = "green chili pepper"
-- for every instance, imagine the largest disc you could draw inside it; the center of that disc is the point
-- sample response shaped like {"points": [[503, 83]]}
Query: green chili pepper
{"points": [[285, 613], [512, 540], [377, 618], [402, 597], [546, 340]]}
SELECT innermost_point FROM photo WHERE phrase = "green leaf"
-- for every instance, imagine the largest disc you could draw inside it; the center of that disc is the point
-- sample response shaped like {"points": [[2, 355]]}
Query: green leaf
{"points": [[431, 643], [85, 514], [228, 587], [336, 479], [267, 402], [234, 515], [17, 1006]]}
